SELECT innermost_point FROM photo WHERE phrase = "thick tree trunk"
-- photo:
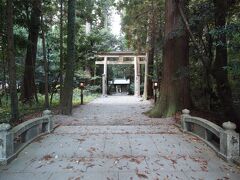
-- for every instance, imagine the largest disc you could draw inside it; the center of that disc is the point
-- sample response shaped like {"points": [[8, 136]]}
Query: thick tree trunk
{"points": [[61, 51], [3, 49], [4, 70], [150, 57], [11, 63], [2, 62], [29, 88], [45, 64], [145, 93], [150, 54], [221, 60], [151, 50], [151, 38], [2, 55], [68, 81], [175, 91]]}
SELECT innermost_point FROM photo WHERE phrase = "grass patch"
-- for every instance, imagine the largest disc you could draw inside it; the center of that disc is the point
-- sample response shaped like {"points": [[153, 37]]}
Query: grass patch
{"points": [[26, 109]]}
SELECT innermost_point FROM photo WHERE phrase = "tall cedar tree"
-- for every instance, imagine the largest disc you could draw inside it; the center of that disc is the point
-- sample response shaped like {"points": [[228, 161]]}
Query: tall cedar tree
{"points": [[61, 50], [45, 64], [2, 41], [221, 60], [11, 63], [29, 88], [175, 91], [151, 48], [151, 38], [66, 104]]}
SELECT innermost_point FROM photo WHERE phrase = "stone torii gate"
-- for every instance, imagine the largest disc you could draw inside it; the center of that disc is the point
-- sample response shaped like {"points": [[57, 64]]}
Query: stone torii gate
{"points": [[138, 59]]}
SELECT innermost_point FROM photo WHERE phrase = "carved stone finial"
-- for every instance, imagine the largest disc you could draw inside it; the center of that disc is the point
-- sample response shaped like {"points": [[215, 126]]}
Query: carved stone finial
{"points": [[186, 111], [4, 127], [47, 112], [229, 126]]}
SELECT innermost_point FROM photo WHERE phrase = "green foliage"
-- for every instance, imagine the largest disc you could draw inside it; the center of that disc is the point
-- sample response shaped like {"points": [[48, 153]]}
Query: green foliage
{"points": [[121, 71], [202, 22], [87, 45], [135, 21], [93, 89], [87, 97], [35, 108]]}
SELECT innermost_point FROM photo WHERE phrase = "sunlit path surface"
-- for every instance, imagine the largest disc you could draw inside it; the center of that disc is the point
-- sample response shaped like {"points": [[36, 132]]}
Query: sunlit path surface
{"points": [[110, 138]]}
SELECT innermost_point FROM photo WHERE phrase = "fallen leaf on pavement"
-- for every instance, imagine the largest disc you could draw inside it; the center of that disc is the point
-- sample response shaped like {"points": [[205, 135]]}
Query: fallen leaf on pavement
{"points": [[47, 157], [141, 174], [137, 160]]}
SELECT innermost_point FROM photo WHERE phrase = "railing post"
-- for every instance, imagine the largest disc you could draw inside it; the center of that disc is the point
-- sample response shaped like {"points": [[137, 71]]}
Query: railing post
{"points": [[6, 143], [48, 115], [229, 141], [186, 114]]}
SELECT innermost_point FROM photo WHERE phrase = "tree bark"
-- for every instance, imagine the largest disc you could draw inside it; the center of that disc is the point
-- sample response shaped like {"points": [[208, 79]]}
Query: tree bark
{"points": [[68, 81], [11, 63], [151, 52], [29, 88], [220, 73], [151, 38], [61, 51], [4, 64], [175, 88], [45, 61], [3, 49]]}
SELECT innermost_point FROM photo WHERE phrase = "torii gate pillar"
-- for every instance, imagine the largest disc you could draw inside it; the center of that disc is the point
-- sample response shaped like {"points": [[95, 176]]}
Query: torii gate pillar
{"points": [[136, 77], [104, 78]]}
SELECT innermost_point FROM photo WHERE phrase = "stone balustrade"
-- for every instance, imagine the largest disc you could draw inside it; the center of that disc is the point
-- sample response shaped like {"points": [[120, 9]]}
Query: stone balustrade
{"points": [[14, 140], [225, 141]]}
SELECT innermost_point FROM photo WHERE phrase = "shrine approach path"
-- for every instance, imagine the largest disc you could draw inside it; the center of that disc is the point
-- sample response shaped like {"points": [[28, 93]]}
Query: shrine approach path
{"points": [[111, 138]]}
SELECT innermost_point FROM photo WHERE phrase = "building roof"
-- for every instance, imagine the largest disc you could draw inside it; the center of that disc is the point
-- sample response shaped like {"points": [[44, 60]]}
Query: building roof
{"points": [[120, 82]]}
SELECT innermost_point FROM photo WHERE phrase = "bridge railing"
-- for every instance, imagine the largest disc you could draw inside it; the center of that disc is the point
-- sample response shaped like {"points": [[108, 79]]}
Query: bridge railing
{"points": [[14, 140], [225, 141]]}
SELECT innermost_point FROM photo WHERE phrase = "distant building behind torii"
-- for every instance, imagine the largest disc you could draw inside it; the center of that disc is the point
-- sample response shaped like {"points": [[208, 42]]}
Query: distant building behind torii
{"points": [[120, 85]]}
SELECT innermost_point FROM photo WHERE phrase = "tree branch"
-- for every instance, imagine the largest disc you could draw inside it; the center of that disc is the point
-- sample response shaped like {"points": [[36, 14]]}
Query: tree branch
{"points": [[185, 21]]}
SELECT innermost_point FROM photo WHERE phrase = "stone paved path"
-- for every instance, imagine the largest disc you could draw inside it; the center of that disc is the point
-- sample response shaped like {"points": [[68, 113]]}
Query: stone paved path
{"points": [[110, 138]]}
